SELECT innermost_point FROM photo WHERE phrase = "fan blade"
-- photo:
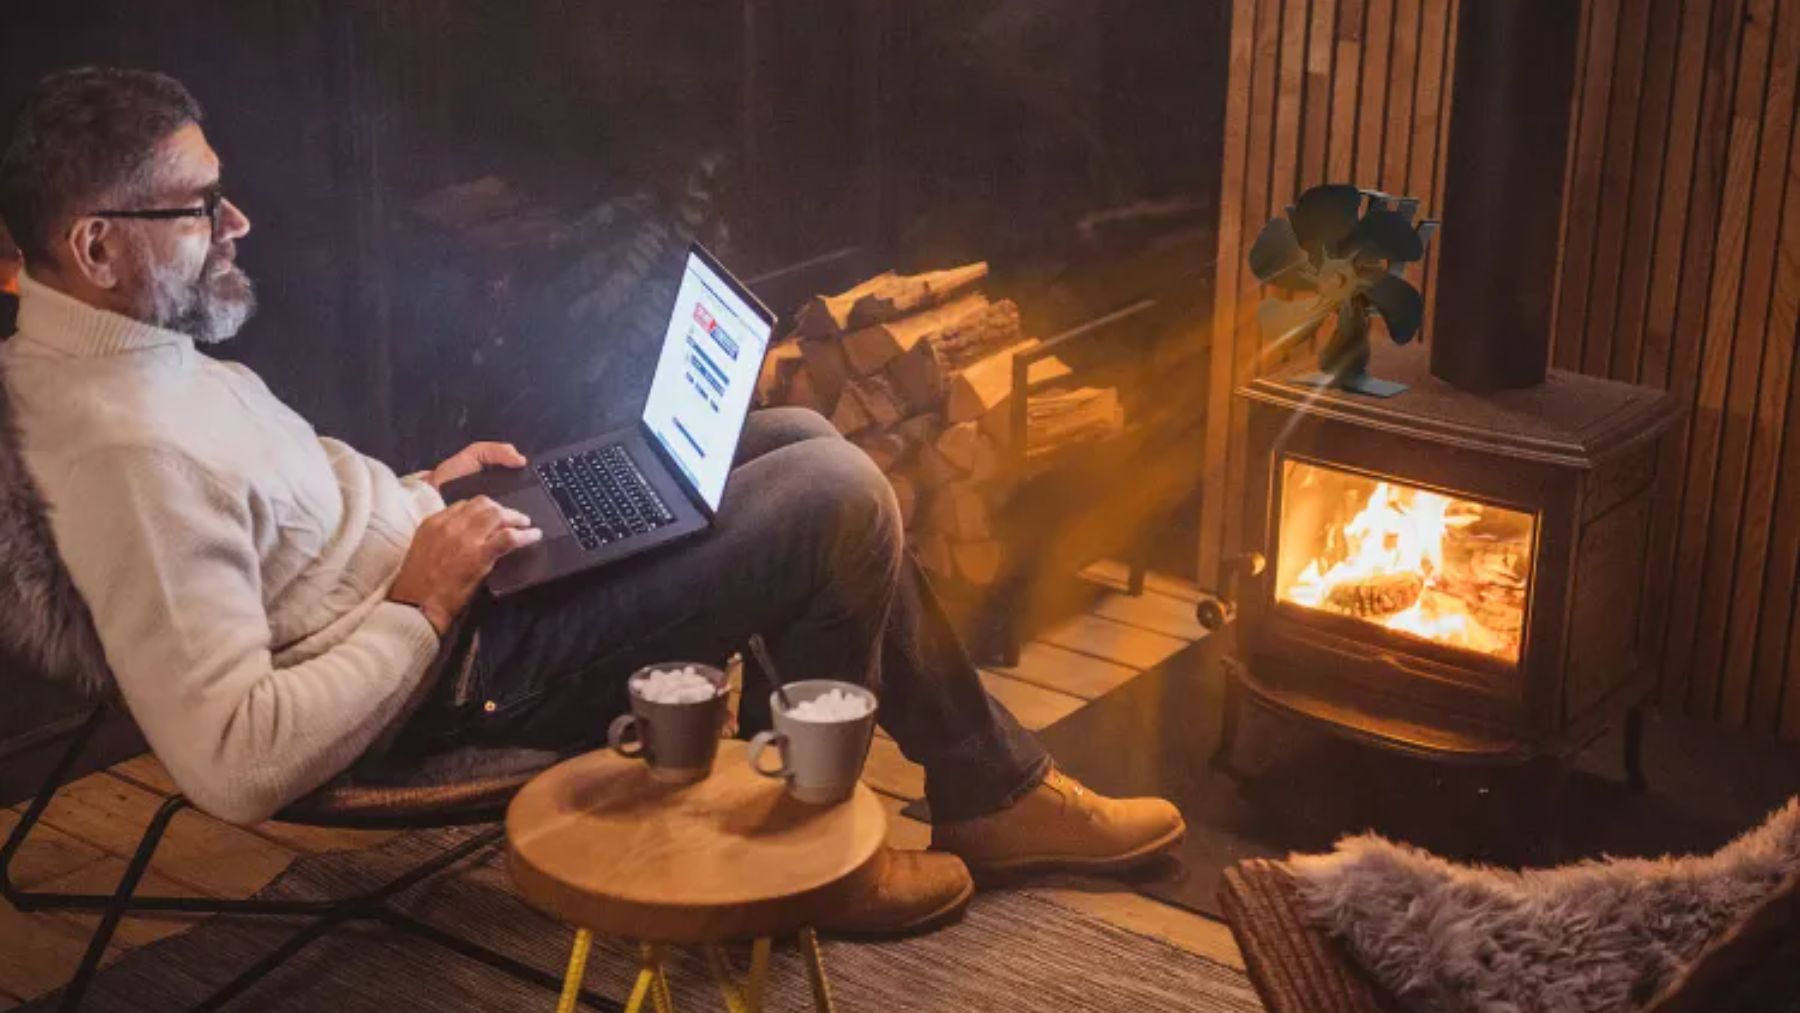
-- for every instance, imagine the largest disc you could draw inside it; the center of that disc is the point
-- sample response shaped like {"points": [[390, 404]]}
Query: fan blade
{"points": [[1400, 305], [1283, 320], [1327, 214], [1276, 252], [1386, 234]]}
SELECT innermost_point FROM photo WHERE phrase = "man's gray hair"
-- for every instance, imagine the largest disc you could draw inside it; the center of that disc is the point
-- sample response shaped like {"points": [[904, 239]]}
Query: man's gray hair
{"points": [[81, 136]]}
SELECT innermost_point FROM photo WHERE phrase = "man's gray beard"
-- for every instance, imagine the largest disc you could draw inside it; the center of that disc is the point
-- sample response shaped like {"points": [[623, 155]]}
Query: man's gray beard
{"points": [[210, 310]]}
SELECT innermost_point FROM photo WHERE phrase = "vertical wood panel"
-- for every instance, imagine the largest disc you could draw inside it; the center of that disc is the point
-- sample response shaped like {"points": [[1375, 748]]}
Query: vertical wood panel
{"points": [[1341, 161], [1652, 149], [1403, 65], [1582, 196], [1371, 112], [1320, 48], [1615, 183]]}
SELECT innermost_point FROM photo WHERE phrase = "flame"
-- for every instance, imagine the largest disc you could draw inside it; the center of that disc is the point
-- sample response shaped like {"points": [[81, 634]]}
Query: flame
{"points": [[1397, 542]]}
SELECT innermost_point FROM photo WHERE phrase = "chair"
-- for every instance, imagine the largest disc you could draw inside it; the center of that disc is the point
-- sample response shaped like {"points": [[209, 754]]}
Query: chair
{"points": [[1297, 969], [50, 634]]}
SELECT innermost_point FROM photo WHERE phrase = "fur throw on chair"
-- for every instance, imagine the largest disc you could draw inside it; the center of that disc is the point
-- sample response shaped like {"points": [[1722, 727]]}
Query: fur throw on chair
{"points": [[1601, 935], [45, 628]]}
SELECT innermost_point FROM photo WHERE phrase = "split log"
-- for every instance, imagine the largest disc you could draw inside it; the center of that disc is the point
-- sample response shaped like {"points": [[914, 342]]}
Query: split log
{"points": [[933, 552], [825, 361], [1376, 597], [965, 446], [960, 512], [1057, 418], [932, 470], [800, 390], [872, 347], [922, 374], [887, 450], [778, 370], [826, 316], [907, 495], [920, 430], [986, 385], [865, 404], [899, 295], [977, 562]]}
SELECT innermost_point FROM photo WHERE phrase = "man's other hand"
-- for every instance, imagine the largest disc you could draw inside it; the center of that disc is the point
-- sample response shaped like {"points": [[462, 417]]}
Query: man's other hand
{"points": [[453, 550], [473, 458]]}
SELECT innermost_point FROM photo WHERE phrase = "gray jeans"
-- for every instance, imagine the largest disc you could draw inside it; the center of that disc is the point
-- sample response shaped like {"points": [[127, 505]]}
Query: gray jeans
{"points": [[808, 550]]}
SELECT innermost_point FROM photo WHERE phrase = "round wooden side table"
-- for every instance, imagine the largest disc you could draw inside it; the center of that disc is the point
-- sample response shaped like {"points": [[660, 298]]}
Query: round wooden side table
{"points": [[597, 843]]}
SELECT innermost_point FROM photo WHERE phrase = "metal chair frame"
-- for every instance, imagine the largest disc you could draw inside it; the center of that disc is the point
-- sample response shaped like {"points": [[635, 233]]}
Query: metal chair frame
{"points": [[321, 916]]}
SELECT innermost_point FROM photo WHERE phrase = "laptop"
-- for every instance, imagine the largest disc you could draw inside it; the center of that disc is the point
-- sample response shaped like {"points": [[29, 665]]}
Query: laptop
{"points": [[660, 479]]}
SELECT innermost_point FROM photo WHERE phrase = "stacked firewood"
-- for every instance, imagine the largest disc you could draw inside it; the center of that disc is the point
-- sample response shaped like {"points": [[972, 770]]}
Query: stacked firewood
{"points": [[917, 370]]}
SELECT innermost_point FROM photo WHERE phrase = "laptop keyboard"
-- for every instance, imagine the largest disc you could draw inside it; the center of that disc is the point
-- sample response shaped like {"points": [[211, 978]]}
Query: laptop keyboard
{"points": [[603, 496]]}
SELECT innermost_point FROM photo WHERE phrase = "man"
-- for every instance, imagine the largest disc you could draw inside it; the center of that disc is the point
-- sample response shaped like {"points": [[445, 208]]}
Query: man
{"points": [[276, 606]]}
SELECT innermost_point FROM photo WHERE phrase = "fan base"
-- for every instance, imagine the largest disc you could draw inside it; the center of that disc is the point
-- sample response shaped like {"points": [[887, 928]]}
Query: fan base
{"points": [[1359, 383]]}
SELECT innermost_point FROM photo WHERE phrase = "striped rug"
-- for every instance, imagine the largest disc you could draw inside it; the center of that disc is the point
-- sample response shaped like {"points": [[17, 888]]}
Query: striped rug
{"points": [[1015, 951]]}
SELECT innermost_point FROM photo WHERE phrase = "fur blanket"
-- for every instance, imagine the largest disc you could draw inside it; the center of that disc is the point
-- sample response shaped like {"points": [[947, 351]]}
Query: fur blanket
{"points": [[1603, 935], [45, 628]]}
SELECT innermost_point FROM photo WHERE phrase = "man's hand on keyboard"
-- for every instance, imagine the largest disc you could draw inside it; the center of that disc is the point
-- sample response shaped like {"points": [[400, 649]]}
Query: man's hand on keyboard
{"points": [[453, 550], [474, 458]]}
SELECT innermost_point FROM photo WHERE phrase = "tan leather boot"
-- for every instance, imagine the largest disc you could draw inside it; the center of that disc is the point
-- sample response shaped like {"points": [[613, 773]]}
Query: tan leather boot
{"points": [[899, 893], [1062, 825]]}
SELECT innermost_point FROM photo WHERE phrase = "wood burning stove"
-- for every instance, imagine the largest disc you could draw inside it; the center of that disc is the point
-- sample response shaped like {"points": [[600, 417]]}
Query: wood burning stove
{"points": [[1454, 574]]}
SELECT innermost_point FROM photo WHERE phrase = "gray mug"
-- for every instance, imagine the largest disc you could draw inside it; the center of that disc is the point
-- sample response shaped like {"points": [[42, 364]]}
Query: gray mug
{"points": [[678, 740], [820, 760]]}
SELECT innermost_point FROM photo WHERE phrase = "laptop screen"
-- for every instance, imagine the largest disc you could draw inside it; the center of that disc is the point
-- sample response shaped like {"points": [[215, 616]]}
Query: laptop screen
{"points": [[705, 376]]}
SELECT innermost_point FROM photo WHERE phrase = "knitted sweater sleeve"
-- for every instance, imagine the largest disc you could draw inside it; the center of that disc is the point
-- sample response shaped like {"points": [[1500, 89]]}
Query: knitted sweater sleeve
{"points": [[164, 554]]}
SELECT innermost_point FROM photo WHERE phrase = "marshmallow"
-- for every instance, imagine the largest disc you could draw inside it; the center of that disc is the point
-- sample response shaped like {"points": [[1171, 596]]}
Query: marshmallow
{"points": [[674, 685], [833, 705]]}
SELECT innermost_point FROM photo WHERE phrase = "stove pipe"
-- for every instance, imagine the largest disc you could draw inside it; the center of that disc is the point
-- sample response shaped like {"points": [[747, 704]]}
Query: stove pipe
{"points": [[1503, 189]]}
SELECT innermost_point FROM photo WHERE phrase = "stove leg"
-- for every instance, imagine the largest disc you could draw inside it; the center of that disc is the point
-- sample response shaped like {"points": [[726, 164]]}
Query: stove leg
{"points": [[1228, 723], [1634, 749]]}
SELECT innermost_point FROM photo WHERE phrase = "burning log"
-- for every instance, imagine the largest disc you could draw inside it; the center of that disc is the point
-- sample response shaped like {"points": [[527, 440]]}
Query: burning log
{"points": [[1378, 596]]}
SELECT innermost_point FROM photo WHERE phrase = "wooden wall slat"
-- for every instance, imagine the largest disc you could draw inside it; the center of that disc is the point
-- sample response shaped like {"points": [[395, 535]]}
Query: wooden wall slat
{"points": [[1691, 617], [1221, 378], [1446, 78], [1598, 335], [1403, 72], [1691, 286], [1776, 469], [1371, 118], [1737, 541], [1321, 47], [1646, 189], [1586, 156], [1346, 74]]}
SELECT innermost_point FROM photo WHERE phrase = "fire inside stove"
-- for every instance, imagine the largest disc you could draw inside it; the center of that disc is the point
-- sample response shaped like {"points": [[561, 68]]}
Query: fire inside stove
{"points": [[1420, 563]]}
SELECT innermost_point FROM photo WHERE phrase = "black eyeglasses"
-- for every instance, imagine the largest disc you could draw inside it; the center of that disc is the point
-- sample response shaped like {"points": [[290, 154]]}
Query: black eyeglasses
{"points": [[212, 198]]}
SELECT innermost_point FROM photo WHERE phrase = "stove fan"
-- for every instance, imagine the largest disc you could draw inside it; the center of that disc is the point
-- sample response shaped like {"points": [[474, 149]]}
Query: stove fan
{"points": [[1345, 259]]}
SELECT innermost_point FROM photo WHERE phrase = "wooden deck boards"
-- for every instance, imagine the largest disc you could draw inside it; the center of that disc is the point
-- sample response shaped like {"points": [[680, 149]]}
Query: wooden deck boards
{"points": [[95, 823]]}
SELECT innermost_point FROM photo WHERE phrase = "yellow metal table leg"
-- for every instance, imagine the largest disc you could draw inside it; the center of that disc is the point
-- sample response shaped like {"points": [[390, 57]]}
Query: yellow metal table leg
{"points": [[578, 958], [660, 995], [815, 971], [759, 975], [646, 979]]}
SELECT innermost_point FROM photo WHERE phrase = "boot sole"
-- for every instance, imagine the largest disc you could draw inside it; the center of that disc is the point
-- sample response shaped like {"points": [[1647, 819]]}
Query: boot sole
{"points": [[944, 915], [1014, 868]]}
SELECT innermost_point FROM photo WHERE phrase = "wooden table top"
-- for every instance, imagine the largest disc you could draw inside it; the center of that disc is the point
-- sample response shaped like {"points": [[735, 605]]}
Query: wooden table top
{"points": [[596, 842]]}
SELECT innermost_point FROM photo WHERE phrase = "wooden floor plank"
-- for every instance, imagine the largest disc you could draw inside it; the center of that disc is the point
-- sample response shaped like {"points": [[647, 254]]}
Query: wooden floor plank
{"points": [[133, 930], [201, 852], [149, 773], [1113, 641], [39, 953], [1034, 706], [904, 832], [1066, 671], [1136, 913], [47, 852], [889, 772], [1116, 575], [1155, 612]]}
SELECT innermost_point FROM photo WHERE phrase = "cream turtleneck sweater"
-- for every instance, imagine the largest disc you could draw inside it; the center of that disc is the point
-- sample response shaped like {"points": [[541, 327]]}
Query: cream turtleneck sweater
{"points": [[236, 563]]}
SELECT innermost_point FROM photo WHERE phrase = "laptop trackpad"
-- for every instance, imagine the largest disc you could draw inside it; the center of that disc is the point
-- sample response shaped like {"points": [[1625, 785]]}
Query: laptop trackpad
{"points": [[536, 504]]}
